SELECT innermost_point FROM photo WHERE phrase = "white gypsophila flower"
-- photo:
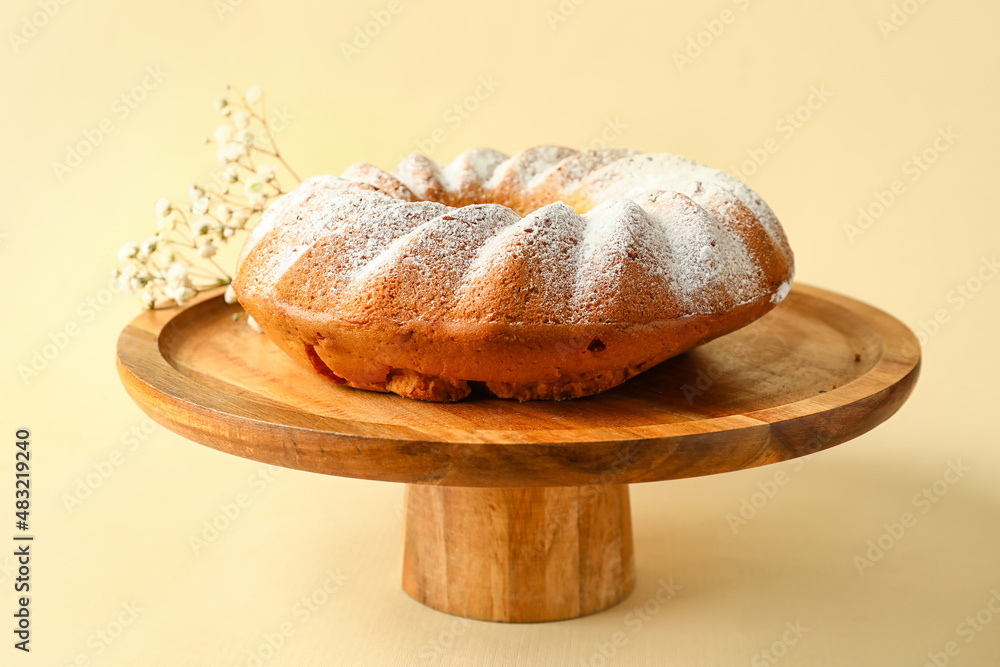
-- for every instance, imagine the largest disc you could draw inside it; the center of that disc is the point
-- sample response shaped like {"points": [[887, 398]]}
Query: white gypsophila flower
{"points": [[206, 250], [222, 212], [201, 226], [241, 118], [232, 174], [163, 208], [224, 134], [125, 278], [220, 102], [148, 246], [245, 137], [234, 151], [127, 252], [177, 274], [195, 192], [252, 323], [267, 173], [227, 232], [240, 217], [257, 201], [181, 294], [200, 206], [222, 156], [147, 298], [230, 296], [252, 184], [253, 94]]}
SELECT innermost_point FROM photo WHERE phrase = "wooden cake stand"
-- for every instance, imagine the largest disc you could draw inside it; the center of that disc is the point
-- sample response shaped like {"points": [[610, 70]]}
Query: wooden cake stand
{"points": [[520, 511]]}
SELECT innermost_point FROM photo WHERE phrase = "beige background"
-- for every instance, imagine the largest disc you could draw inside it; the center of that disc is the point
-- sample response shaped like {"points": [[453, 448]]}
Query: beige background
{"points": [[608, 65]]}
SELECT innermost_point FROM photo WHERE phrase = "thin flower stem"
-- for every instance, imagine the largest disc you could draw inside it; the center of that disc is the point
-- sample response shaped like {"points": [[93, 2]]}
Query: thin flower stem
{"points": [[270, 137]]}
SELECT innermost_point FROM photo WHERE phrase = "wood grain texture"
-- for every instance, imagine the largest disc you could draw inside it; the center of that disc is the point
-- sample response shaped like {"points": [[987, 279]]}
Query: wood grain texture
{"points": [[520, 554], [819, 370]]}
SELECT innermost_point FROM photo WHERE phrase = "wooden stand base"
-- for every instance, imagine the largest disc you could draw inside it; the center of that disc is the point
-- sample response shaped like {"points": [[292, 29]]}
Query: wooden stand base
{"points": [[519, 555]]}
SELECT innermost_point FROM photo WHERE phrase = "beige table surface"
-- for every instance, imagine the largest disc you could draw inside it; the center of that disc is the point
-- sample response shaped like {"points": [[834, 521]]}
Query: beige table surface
{"points": [[115, 580]]}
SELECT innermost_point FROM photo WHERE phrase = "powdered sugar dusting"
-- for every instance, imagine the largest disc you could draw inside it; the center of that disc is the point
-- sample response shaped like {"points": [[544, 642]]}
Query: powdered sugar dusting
{"points": [[647, 247], [474, 166]]}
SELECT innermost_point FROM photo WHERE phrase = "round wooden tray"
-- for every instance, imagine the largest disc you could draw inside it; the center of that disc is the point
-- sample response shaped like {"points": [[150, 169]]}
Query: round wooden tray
{"points": [[546, 535]]}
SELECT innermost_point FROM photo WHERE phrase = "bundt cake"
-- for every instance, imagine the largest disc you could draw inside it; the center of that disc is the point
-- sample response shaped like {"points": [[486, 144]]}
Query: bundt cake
{"points": [[553, 274]]}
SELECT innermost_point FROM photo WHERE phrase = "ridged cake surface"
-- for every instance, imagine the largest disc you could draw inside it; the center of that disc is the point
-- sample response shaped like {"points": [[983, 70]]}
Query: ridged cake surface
{"points": [[551, 274]]}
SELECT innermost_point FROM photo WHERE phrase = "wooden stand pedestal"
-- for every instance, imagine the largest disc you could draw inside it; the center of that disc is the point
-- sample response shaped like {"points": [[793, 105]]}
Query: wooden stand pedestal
{"points": [[519, 511], [518, 554]]}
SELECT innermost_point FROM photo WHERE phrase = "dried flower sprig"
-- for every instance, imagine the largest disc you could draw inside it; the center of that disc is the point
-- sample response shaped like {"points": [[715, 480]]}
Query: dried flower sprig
{"points": [[176, 263]]}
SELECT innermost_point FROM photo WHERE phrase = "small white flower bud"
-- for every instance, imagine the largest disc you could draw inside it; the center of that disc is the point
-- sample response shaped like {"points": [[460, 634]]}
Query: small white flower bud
{"points": [[222, 212], [245, 137], [147, 299], [252, 184], [253, 94], [252, 323], [224, 134], [201, 226], [127, 252], [148, 246], [232, 174], [200, 206], [163, 208], [241, 118], [234, 151], [177, 273], [206, 250], [195, 192], [240, 217], [230, 295], [220, 102], [266, 172]]}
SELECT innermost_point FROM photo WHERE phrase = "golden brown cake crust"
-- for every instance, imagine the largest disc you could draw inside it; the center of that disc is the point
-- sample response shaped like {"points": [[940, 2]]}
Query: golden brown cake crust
{"points": [[422, 281]]}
